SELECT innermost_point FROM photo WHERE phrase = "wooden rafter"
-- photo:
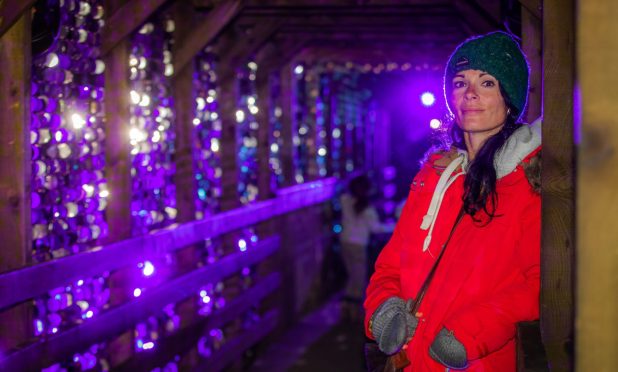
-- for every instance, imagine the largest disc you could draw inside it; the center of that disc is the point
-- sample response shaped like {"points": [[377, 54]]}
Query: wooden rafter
{"points": [[534, 6], [205, 32], [126, 19], [475, 18], [10, 11]]}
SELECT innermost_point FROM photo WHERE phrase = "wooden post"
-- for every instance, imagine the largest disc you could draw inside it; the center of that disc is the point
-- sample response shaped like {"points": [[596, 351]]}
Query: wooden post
{"points": [[184, 177], [311, 81], [558, 184], [287, 132], [227, 113], [118, 174], [15, 176], [262, 84], [597, 198], [532, 37]]}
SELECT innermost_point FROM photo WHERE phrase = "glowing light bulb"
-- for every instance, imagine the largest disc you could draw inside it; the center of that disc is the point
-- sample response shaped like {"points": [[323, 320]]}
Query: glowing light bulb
{"points": [[137, 292], [135, 97], [242, 245], [240, 116], [78, 121], [428, 99], [299, 69], [148, 269], [435, 123]]}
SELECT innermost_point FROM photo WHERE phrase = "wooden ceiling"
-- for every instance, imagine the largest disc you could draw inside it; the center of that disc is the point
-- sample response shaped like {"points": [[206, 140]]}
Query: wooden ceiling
{"points": [[358, 31], [362, 31]]}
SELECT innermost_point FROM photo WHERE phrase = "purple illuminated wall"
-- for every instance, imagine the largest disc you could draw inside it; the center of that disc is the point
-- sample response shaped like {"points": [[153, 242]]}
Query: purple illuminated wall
{"points": [[151, 128], [207, 135], [69, 190]]}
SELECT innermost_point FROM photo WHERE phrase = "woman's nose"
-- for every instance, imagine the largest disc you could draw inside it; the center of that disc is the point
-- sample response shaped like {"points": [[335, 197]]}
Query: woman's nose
{"points": [[471, 92]]}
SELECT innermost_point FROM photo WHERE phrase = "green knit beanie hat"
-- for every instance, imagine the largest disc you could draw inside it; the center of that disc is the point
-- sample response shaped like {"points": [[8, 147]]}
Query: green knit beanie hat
{"points": [[497, 54]]}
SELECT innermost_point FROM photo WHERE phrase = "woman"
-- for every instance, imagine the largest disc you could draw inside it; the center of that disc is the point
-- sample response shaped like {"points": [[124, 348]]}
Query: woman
{"points": [[488, 279], [359, 220]]}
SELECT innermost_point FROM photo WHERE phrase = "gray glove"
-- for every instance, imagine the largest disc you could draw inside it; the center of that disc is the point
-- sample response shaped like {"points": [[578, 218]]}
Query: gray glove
{"points": [[393, 325], [447, 350]]}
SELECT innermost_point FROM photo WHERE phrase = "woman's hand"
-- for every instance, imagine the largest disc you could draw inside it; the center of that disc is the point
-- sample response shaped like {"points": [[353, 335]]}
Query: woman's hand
{"points": [[393, 325]]}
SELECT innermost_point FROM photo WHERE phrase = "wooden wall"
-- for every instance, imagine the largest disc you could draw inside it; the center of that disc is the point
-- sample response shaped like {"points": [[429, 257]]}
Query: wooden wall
{"points": [[596, 130]]}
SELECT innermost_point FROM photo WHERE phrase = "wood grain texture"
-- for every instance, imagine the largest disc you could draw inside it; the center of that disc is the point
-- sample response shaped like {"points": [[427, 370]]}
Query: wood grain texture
{"points": [[125, 20], [597, 194], [11, 12], [532, 38], [205, 32], [558, 223], [15, 169]]}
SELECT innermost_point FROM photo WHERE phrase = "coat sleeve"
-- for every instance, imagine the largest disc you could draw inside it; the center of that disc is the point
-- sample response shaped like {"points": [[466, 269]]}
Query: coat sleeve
{"points": [[485, 327], [385, 281]]}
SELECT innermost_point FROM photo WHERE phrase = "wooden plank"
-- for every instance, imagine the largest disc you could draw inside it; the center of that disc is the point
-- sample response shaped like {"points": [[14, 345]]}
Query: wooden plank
{"points": [[558, 223], [534, 7], [597, 197], [262, 84], [15, 169], [180, 342], [11, 12], [233, 349], [119, 319], [532, 39], [288, 150], [20, 285], [474, 17], [117, 147], [184, 178], [205, 32], [125, 20]]}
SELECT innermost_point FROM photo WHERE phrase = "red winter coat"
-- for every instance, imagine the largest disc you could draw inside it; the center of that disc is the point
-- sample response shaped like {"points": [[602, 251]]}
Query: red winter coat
{"points": [[487, 281]]}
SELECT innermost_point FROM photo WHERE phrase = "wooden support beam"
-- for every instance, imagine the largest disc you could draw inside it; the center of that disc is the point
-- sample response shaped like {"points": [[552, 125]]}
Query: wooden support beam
{"points": [[287, 131], [265, 104], [534, 7], [11, 11], [532, 39], [118, 173], [15, 169], [558, 222], [205, 32], [597, 196], [473, 17], [227, 99], [236, 49], [117, 147], [184, 178], [20, 285], [125, 20]]}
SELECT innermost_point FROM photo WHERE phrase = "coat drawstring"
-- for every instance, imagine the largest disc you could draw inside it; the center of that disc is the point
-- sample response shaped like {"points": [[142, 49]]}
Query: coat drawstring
{"points": [[445, 181]]}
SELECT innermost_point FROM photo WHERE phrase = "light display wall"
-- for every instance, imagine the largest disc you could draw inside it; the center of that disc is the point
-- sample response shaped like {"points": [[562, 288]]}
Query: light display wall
{"points": [[246, 133], [151, 126], [69, 189], [207, 135]]}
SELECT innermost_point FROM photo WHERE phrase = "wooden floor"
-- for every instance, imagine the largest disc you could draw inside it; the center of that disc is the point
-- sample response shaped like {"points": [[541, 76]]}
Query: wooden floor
{"points": [[323, 341]]}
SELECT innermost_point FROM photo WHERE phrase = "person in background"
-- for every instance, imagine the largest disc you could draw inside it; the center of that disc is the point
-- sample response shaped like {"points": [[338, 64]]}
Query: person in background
{"points": [[477, 198], [359, 220]]}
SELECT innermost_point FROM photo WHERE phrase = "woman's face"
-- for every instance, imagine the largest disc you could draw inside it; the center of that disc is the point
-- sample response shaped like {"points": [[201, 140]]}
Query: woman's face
{"points": [[478, 104]]}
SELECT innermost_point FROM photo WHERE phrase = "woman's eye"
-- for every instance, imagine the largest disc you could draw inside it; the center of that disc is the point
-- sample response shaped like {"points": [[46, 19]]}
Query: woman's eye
{"points": [[458, 84], [489, 83]]}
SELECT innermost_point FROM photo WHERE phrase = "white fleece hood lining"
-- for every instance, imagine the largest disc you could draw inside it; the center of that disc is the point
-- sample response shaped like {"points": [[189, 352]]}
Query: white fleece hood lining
{"points": [[519, 145]]}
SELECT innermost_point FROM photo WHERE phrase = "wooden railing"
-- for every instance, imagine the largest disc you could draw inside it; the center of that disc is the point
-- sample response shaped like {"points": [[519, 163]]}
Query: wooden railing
{"points": [[29, 282]]}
